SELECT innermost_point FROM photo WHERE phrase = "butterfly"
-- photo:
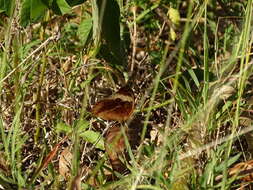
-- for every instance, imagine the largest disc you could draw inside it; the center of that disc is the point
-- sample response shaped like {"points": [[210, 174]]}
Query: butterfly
{"points": [[115, 147], [117, 107]]}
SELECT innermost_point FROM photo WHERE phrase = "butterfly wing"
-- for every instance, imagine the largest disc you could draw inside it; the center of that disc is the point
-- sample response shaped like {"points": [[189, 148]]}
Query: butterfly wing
{"points": [[118, 107], [111, 109]]}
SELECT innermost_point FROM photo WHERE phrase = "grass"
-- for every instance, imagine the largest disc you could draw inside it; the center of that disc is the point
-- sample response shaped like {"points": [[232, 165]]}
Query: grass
{"points": [[189, 64]]}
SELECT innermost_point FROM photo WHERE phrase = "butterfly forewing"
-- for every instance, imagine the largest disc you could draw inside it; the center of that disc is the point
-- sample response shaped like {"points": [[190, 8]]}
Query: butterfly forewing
{"points": [[118, 107]]}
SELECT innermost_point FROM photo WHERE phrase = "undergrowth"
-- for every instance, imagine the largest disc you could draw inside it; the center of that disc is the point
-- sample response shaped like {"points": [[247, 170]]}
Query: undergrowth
{"points": [[188, 63]]}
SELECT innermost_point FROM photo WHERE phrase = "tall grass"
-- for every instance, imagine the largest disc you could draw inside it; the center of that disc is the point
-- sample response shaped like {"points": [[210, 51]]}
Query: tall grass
{"points": [[199, 97]]}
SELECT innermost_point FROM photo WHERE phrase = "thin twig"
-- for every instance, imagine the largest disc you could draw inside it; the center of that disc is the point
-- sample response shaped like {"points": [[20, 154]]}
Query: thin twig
{"points": [[191, 153], [134, 37]]}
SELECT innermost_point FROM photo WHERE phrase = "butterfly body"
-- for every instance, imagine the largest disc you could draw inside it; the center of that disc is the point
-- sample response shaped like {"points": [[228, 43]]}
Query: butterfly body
{"points": [[117, 107]]}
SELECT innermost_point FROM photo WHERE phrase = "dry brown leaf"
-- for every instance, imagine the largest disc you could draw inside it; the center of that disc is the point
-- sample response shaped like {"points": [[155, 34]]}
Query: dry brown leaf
{"points": [[65, 163], [3, 163], [48, 158], [244, 169], [244, 173]]}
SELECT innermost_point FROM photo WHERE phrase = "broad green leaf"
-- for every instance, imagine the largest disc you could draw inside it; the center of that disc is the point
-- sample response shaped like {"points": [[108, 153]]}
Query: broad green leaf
{"points": [[37, 9], [48, 3], [63, 127], [25, 13], [31, 10], [111, 27], [82, 125], [6, 5], [2, 6], [74, 2], [84, 30], [92, 137], [63, 6]]}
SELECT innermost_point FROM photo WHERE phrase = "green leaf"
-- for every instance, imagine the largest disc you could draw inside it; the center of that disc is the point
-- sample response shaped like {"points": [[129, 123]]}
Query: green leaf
{"points": [[111, 27], [64, 6], [82, 125], [63, 127], [230, 162], [174, 16], [74, 2], [194, 77], [2, 7], [48, 3], [6, 5], [92, 137], [31, 10], [4, 137], [173, 34], [84, 30], [26, 48], [25, 13], [37, 9]]}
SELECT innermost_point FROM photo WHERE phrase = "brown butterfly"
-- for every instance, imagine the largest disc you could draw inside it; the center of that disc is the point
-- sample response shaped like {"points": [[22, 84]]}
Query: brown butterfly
{"points": [[117, 107], [115, 147]]}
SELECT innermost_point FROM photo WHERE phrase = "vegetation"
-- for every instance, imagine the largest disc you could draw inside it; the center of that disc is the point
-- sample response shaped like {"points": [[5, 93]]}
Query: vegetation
{"points": [[189, 64]]}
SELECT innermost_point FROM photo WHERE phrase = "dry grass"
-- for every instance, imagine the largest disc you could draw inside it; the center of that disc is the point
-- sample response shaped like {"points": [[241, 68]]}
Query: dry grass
{"points": [[191, 77]]}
